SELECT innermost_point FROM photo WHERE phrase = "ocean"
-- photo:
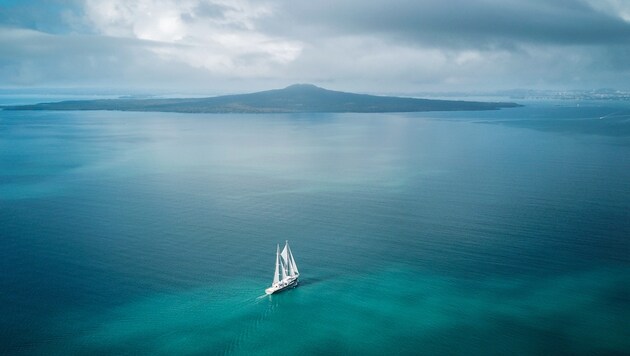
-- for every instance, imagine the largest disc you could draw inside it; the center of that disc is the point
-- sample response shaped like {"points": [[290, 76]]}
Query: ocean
{"points": [[477, 233]]}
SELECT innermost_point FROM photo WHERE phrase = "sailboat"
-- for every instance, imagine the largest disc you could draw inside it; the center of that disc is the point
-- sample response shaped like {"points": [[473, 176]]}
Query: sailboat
{"points": [[286, 274]]}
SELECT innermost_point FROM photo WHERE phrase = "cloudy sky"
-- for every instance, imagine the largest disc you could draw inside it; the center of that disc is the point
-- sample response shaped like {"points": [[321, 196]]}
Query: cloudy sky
{"points": [[401, 46]]}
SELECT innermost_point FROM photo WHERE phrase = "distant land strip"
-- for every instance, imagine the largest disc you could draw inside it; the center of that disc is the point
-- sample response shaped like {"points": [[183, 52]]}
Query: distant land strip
{"points": [[297, 98]]}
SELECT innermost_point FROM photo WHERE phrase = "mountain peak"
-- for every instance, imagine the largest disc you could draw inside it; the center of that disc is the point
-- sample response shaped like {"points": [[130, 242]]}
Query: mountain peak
{"points": [[303, 86]]}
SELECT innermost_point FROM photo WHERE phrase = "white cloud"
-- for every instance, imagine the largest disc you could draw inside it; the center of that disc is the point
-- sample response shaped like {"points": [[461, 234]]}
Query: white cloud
{"points": [[215, 35], [615, 8]]}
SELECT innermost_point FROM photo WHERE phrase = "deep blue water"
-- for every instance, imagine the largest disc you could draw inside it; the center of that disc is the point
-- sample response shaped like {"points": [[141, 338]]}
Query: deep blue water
{"points": [[430, 233]]}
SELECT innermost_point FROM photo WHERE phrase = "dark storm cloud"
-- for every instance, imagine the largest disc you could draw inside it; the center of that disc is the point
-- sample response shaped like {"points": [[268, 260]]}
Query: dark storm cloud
{"points": [[459, 23]]}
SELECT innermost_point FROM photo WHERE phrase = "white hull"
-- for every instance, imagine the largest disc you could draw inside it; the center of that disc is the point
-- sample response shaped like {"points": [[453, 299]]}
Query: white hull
{"points": [[289, 282]]}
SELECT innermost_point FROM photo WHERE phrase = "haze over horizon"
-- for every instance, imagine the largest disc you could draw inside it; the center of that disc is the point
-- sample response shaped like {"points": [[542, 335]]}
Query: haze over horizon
{"points": [[219, 46]]}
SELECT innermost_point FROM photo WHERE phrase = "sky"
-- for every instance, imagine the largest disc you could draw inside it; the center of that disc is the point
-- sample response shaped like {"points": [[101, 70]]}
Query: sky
{"points": [[371, 46]]}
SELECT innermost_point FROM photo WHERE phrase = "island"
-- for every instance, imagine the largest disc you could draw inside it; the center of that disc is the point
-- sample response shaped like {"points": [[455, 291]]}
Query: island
{"points": [[297, 98]]}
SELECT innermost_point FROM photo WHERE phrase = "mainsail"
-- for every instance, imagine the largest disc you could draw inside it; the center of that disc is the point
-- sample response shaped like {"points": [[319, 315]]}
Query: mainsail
{"points": [[285, 264], [292, 264], [276, 279], [288, 262]]}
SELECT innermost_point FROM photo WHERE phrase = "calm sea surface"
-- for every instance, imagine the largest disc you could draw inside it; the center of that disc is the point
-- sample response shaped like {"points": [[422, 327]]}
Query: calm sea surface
{"points": [[503, 232]]}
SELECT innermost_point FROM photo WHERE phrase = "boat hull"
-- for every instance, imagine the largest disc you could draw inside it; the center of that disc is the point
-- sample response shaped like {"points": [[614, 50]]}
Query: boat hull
{"points": [[282, 286]]}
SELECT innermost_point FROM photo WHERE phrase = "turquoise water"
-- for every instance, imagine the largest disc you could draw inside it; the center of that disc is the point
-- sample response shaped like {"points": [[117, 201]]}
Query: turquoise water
{"points": [[434, 233]]}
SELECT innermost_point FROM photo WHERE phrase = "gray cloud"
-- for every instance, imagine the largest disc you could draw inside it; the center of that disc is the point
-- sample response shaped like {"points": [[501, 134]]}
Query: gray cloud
{"points": [[32, 58], [479, 44], [462, 23]]}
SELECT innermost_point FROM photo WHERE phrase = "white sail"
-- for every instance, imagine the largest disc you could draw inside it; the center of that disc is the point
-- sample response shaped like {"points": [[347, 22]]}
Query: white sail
{"points": [[285, 262], [284, 253], [292, 264], [276, 279]]}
